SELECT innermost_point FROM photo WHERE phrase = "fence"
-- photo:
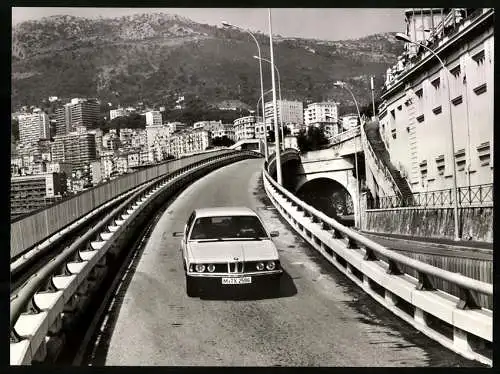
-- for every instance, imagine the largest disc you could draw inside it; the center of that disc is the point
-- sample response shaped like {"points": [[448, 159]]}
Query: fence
{"points": [[469, 196]]}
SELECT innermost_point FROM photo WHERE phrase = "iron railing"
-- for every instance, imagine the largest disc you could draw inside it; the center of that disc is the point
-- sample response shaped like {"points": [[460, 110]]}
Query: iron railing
{"points": [[479, 195]]}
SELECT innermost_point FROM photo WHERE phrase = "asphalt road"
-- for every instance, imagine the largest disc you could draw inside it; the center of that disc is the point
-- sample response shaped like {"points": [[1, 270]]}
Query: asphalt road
{"points": [[319, 318]]}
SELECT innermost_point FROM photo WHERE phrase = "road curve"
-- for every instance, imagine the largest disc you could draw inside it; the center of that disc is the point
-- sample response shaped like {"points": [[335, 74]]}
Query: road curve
{"points": [[319, 319]]}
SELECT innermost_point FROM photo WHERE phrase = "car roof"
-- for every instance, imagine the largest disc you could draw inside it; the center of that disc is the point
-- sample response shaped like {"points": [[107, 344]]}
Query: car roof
{"points": [[224, 211]]}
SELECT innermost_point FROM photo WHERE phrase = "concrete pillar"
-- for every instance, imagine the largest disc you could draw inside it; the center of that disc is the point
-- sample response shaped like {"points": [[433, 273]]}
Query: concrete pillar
{"points": [[419, 316], [389, 298], [460, 340]]}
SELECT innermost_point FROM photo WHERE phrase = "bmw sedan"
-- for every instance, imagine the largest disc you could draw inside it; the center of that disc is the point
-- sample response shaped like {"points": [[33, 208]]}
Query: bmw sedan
{"points": [[230, 248]]}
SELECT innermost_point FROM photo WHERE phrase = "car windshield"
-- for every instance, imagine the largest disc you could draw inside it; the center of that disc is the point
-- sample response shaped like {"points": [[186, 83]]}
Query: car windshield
{"points": [[228, 227]]}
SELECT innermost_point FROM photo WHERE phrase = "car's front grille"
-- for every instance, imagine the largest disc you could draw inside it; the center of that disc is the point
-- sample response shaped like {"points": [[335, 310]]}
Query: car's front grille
{"points": [[235, 267]]}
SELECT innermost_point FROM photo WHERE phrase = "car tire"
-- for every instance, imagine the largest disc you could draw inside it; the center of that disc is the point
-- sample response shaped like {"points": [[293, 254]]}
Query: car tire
{"points": [[191, 287]]}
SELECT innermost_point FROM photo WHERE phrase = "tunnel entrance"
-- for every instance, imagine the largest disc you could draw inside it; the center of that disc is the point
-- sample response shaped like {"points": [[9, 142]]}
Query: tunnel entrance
{"points": [[329, 197]]}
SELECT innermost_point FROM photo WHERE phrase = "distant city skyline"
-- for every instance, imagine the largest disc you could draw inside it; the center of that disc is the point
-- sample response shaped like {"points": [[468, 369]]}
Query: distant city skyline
{"points": [[317, 23]]}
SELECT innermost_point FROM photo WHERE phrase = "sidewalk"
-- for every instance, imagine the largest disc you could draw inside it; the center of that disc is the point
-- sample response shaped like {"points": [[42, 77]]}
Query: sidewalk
{"points": [[437, 246]]}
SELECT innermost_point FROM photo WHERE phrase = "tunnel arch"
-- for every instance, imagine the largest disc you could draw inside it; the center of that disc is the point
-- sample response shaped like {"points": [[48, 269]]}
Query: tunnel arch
{"points": [[333, 197]]}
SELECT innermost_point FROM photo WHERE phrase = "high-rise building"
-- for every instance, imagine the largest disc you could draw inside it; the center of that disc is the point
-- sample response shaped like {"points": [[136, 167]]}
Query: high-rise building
{"points": [[289, 112], [322, 112], [33, 127], [153, 118], [77, 113], [76, 149]]}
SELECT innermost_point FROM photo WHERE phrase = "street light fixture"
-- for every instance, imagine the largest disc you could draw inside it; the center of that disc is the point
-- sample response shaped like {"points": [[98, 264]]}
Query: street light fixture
{"points": [[279, 177], [405, 38], [358, 179], [279, 94], [228, 25]]}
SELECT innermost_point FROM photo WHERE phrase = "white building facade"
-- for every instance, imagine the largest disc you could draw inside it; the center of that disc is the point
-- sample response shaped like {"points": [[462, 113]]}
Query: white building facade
{"points": [[322, 112], [415, 112], [153, 118], [289, 112], [33, 127]]}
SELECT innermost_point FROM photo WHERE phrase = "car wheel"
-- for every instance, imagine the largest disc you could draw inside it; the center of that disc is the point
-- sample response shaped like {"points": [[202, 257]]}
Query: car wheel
{"points": [[191, 290]]}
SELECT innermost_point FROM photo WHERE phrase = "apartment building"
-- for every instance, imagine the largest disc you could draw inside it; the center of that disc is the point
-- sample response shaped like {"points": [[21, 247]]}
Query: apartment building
{"points": [[321, 112], [188, 141], [418, 105], [222, 130], [75, 149], [244, 127], [349, 121], [119, 112], [288, 112], [77, 113], [153, 118], [33, 127], [32, 192]]}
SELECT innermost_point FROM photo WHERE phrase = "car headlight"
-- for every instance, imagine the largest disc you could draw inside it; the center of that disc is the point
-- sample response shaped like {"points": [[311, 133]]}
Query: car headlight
{"points": [[200, 268], [260, 266], [270, 265], [211, 268]]}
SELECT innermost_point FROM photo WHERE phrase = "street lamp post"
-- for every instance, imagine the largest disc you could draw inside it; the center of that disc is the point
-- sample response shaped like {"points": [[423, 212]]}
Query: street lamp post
{"points": [[358, 179], [279, 94], [227, 24], [279, 176], [405, 38], [263, 114]]}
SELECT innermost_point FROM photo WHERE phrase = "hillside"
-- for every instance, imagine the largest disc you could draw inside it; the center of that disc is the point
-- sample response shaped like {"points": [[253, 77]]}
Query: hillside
{"points": [[149, 57]]}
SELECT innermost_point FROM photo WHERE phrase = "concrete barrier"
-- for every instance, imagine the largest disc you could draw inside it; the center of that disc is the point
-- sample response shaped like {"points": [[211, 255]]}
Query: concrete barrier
{"points": [[415, 300], [60, 291], [26, 232]]}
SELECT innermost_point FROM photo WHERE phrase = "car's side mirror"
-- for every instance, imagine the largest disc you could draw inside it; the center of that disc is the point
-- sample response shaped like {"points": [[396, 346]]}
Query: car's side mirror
{"points": [[274, 234], [177, 234]]}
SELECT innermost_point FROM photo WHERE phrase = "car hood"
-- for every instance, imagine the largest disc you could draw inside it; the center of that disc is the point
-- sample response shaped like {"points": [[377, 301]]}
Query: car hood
{"points": [[227, 251]]}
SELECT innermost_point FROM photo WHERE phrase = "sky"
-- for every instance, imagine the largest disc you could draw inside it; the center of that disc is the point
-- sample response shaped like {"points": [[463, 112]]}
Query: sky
{"points": [[320, 23]]}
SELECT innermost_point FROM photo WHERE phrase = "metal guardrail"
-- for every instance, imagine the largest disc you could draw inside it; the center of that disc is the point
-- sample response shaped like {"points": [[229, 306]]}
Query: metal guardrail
{"points": [[479, 195], [343, 136], [61, 286], [378, 164], [374, 267]]}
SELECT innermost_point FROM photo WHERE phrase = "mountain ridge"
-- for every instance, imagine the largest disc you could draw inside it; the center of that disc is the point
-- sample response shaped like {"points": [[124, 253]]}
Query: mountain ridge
{"points": [[149, 57]]}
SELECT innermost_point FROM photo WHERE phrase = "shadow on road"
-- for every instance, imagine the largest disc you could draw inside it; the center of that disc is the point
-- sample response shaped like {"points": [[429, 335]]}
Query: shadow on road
{"points": [[259, 291]]}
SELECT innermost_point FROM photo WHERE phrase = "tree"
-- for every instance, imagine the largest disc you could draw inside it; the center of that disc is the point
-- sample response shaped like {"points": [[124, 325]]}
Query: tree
{"points": [[223, 141], [312, 139], [14, 129]]}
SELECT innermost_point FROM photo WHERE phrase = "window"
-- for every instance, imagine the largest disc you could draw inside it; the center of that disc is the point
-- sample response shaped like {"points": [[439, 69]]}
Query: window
{"points": [[393, 132], [393, 114], [460, 159], [419, 93], [457, 100], [483, 151], [456, 71], [480, 89], [440, 164], [420, 118], [437, 110], [479, 57], [436, 83], [246, 227], [423, 169]]}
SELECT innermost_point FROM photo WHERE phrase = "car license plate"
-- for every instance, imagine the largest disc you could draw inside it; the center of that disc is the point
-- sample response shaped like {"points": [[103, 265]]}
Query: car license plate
{"points": [[241, 280]]}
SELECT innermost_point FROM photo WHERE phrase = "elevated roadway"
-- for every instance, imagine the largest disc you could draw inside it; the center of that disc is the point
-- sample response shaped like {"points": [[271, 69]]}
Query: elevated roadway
{"points": [[319, 318]]}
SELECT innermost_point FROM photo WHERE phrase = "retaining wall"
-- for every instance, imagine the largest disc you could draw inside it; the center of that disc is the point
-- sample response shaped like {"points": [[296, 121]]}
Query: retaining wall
{"points": [[476, 222]]}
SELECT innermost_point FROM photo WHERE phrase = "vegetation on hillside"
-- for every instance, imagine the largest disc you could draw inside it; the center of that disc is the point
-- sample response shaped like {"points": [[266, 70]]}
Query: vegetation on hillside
{"points": [[152, 57]]}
